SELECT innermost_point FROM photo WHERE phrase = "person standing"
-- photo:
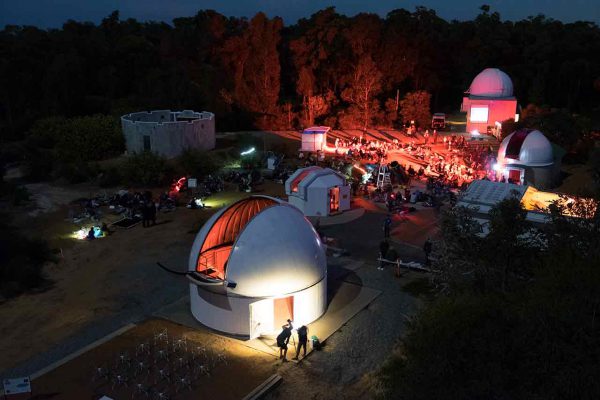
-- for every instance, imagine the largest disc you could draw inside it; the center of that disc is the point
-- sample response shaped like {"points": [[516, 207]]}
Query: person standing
{"points": [[426, 136], [387, 224], [282, 341], [427, 250], [435, 135], [302, 340], [384, 246]]}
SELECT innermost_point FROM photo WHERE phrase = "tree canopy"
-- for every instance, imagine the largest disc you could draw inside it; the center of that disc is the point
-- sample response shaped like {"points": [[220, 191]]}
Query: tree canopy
{"points": [[257, 73]]}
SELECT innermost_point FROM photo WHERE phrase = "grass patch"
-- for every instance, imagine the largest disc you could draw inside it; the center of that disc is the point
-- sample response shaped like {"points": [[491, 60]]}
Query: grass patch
{"points": [[420, 287]]}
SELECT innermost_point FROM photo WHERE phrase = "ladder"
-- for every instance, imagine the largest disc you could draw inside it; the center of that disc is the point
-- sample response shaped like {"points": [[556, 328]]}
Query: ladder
{"points": [[383, 176]]}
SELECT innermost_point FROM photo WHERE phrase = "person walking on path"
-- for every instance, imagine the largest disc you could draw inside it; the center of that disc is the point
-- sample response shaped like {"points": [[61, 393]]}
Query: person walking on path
{"points": [[387, 224], [302, 340], [427, 249]]}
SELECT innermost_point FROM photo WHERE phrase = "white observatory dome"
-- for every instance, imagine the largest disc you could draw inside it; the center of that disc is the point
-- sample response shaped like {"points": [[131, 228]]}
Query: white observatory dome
{"points": [[526, 147], [259, 247], [491, 82]]}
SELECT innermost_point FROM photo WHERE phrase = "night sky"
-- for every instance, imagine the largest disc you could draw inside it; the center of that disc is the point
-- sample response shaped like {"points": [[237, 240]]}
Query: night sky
{"points": [[52, 13]]}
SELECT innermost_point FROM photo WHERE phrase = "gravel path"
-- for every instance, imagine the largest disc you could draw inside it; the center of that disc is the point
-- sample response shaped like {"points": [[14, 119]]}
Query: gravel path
{"points": [[359, 348]]}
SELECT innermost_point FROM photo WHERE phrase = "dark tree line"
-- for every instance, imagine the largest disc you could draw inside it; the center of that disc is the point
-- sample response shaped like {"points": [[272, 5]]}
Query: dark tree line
{"points": [[516, 313], [258, 73]]}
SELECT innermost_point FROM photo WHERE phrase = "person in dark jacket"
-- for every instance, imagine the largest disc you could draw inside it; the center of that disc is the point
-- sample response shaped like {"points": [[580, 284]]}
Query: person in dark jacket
{"points": [[302, 340], [427, 250], [282, 341], [387, 224]]}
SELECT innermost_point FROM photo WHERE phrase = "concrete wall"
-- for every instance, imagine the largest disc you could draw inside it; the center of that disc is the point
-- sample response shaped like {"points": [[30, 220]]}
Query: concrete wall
{"points": [[168, 136], [540, 177], [231, 314]]}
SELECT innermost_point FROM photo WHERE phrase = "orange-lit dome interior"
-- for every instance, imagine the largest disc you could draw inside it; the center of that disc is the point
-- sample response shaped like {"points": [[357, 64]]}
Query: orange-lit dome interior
{"points": [[219, 241]]}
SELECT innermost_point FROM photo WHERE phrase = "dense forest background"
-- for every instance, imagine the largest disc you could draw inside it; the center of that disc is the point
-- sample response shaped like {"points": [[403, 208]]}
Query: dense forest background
{"points": [[348, 72]]}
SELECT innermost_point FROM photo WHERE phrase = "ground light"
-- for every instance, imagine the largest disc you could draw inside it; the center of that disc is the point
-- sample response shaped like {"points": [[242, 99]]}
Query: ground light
{"points": [[82, 233], [249, 151]]}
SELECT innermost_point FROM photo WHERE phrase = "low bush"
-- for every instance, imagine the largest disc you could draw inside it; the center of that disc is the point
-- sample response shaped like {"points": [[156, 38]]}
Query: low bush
{"points": [[145, 169], [21, 261], [198, 163], [110, 177]]}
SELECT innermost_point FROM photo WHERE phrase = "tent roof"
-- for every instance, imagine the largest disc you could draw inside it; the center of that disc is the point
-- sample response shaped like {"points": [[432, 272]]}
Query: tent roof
{"points": [[316, 130], [490, 193]]}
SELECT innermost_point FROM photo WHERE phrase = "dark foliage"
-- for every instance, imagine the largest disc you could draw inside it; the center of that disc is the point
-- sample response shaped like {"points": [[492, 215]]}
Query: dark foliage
{"points": [[328, 68], [517, 318], [145, 169], [21, 261], [198, 164]]}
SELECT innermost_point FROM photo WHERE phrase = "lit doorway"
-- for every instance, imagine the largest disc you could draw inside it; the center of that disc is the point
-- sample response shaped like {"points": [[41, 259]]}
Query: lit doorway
{"points": [[334, 200], [515, 176], [283, 309], [261, 318]]}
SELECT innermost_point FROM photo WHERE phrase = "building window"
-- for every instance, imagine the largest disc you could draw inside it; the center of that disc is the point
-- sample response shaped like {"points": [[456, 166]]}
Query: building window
{"points": [[147, 146], [479, 114]]}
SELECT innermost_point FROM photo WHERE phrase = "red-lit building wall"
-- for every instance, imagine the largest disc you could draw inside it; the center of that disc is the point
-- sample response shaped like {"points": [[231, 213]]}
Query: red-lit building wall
{"points": [[498, 110]]}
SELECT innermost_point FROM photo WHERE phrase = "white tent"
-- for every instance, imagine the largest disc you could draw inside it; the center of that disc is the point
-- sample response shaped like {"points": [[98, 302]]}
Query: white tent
{"points": [[482, 195], [255, 264], [318, 191]]}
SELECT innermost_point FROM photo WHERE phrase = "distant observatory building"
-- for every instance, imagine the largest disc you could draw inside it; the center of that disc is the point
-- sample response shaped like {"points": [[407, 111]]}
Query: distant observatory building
{"points": [[253, 265], [489, 101], [527, 157], [168, 133], [318, 191]]}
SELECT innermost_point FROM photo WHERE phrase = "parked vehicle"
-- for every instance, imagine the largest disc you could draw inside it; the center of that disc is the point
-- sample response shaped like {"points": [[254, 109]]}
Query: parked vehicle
{"points": [[438, 121]]}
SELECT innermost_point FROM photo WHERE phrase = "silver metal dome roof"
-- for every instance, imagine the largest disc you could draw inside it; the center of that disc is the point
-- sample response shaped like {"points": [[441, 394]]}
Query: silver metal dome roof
{"points": [[491, 82], [526, 147], [269, 248]]}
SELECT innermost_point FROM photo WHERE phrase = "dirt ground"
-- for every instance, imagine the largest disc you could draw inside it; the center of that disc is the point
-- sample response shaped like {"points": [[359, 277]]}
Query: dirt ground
{"points": [[98, 286], [199, 365]]}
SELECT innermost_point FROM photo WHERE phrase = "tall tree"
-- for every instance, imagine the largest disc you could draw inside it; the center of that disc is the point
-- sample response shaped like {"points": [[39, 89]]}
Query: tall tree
{"points": [[253, 57], [363, 85]]}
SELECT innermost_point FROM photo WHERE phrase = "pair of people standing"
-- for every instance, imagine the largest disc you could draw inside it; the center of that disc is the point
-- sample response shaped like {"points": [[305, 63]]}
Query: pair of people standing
{"points": [[283, 340]]}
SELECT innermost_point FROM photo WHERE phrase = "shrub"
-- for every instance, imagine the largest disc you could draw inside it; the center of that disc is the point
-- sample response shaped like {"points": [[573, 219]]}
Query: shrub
{"points": [[198, 163], [90, 138], [21, 195], [77, 172], [21, 261], [39, 164], [145, 169], [110, 177]]}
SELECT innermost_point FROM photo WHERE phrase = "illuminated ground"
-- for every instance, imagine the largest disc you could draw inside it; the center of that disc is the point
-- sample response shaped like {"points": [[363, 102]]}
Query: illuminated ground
{"points": [[223, 359], [98, 286]]}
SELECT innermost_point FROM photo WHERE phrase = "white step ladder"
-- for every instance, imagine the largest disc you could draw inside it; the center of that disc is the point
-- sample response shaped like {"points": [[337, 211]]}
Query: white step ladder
{"points": [[383, 177]]}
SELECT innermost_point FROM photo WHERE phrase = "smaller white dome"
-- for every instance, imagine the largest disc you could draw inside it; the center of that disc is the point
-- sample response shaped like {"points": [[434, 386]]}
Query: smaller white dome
{"points": [[526, 147], [491, 82]]}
